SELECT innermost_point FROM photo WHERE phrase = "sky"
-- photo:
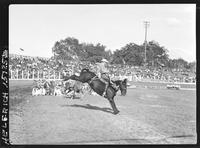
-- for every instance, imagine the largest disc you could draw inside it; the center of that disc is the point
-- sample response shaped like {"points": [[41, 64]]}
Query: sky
{"points": [[36, 28]]}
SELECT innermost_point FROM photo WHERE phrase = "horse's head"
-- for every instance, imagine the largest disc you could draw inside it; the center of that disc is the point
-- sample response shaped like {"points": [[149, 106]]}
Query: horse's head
{"points": [[122, 86], [86, 75]]}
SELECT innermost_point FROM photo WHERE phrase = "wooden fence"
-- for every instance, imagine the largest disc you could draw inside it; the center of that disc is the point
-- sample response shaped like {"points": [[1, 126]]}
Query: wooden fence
{"points": [[57, 75], [34, 75], [51, 75]]}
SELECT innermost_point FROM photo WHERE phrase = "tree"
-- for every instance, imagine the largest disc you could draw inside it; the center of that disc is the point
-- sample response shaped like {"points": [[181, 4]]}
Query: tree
{"points": [[117, 57], [67, 49], [71, 49], [108, 55], [178, 64], [192, 66], [156, 55], [181, 63], [131, 54], [94, 53]]}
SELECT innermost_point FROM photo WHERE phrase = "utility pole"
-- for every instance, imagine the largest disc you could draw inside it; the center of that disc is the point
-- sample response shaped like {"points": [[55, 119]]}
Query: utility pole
{"points": [[146, 23]]}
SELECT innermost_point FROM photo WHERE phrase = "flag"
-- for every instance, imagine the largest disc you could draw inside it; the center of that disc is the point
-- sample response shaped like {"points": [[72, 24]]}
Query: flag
{"points": [[21, 49]]}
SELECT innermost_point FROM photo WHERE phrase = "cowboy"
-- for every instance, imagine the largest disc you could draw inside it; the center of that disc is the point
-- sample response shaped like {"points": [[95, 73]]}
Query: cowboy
{"points": [[103, 74]]}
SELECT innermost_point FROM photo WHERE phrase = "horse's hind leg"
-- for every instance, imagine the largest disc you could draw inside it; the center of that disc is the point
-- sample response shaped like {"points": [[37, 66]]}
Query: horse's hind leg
{"points": [[74, 95], [112, 103]]}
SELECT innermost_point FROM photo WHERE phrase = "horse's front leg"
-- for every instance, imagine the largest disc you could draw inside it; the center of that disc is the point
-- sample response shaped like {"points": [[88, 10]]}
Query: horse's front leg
{"points": [[112, 103]]}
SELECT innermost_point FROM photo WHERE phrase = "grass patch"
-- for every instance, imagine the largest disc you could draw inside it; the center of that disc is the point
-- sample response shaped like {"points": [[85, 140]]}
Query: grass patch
{"points": [[18, 92]]}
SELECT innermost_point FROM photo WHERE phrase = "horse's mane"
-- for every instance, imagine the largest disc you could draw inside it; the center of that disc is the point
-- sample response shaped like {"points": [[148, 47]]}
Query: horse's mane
{"points": [[85, 69]]}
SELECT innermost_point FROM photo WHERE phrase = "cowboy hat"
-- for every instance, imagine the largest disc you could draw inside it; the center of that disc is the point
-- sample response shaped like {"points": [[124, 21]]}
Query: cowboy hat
{"points": [[104, 60]]}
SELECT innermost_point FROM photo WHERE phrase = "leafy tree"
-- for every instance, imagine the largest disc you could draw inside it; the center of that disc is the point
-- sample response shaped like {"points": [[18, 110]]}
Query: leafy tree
{"points": [[131, 54], [192, 66], [156, 54], [67, 49], [178, 64], [181, 63], [108, 55], [94, 53]]}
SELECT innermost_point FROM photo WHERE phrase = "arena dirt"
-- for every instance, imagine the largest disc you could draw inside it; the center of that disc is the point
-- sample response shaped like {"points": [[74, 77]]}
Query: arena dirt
{"points": [[58, 120]]}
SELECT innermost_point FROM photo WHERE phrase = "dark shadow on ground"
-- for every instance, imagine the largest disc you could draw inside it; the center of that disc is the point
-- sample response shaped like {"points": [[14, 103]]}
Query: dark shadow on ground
{"points": [[88, 106]]}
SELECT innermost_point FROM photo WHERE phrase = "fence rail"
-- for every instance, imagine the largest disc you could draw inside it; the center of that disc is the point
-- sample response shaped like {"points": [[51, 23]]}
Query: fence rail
{"points": [[56, 75], [52, 75], [34, 75]]}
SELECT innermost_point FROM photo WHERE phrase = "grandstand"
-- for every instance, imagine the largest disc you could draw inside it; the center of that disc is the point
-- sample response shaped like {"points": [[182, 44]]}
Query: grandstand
{"points": [[28, 67], [11, 55]]}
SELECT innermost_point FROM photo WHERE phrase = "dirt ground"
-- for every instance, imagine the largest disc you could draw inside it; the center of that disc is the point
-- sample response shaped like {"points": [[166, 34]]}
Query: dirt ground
{"points": [[146, 117]]}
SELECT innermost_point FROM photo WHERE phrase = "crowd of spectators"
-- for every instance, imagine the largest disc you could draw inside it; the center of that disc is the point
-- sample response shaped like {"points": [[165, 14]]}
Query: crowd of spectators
{"points": [[49, 65]]}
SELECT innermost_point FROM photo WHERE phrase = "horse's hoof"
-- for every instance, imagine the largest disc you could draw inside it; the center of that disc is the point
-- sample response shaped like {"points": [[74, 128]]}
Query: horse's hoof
{"points": [[116, 112]]}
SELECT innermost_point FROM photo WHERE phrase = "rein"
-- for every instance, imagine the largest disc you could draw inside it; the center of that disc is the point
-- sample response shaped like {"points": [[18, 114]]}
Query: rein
{"points": [[92, 79]]}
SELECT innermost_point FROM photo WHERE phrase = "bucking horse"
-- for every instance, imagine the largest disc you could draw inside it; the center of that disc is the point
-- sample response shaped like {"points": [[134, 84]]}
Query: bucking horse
{"points": [[86, 76]]}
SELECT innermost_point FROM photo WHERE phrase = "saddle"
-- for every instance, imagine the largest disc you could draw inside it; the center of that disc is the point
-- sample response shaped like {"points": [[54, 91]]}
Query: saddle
{"points": [[101, 79], [105, 79]]}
